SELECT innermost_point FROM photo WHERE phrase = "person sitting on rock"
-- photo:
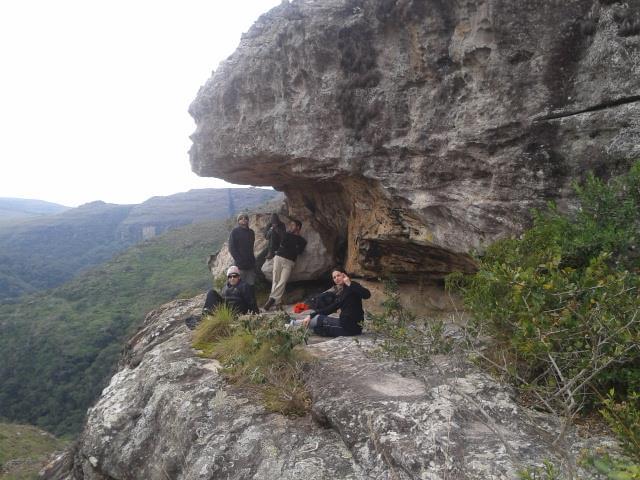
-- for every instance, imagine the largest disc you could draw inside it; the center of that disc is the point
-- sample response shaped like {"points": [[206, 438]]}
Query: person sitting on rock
{"points": [[237, 294], [349, 296]]}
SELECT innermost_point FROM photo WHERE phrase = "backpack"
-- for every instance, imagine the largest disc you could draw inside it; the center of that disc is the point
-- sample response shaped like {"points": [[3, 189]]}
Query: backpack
{"points": [[321, 300]]}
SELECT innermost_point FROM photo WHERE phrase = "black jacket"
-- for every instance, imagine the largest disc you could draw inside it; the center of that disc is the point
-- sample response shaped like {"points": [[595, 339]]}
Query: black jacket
{"points": [[349, 302], [241, 242], [275, 234], [291, 246], [240, 297]]}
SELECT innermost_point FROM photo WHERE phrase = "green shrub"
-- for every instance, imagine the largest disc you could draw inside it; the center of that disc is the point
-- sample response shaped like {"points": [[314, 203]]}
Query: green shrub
{"points": [[614, 469], [562, 300], [402, 334], [546, 472], [624, 420]]}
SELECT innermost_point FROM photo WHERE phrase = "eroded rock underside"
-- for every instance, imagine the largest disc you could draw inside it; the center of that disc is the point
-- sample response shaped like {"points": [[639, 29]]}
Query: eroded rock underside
{"points": [[168, 414], [413, 131]]}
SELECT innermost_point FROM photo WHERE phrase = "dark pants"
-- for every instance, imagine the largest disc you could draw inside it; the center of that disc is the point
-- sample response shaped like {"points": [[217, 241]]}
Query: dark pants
{"points": [[330, 327], [213, 300]]}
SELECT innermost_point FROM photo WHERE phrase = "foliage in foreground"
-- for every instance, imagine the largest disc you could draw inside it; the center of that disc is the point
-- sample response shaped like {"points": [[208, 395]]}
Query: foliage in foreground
{"points": [[258, 352], [562, 301], [562, 307], [400, 333], [624, 419]]}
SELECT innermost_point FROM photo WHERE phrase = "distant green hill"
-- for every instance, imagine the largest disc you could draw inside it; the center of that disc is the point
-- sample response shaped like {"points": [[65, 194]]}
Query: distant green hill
{"points": [[24, 450], [47, 251], [44, 252], [21, 208], [58, 348]]}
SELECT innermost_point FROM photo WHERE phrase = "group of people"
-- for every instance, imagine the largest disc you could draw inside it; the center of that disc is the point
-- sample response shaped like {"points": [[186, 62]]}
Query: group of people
{"points": [[284, 247]]}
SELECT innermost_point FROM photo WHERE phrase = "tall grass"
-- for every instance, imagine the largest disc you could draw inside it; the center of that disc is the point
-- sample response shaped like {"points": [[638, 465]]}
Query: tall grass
{"points": [[257, 351]]}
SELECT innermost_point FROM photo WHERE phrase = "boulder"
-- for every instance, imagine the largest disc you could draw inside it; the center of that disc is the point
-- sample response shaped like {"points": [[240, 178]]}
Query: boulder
{"points": [[416, 131]]}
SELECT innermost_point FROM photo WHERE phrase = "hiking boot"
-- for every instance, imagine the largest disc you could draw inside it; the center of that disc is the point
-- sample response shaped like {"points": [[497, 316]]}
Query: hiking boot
{"points": [[269, 304]]}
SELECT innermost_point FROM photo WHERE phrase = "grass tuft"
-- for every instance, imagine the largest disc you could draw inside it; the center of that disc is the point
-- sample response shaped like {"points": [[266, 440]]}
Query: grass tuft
{"points": [[259, 352]]}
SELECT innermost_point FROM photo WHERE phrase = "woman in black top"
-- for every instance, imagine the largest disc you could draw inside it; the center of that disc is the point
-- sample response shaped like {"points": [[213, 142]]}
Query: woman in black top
{"points": [[349, 296]]}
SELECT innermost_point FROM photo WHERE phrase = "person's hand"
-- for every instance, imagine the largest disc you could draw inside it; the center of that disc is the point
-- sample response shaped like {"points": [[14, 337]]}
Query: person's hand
{"points": [[346, 280], [306, 320]]}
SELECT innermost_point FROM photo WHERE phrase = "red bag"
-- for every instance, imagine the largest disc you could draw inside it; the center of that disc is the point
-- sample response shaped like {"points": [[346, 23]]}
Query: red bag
{"points": [[300, 307]]}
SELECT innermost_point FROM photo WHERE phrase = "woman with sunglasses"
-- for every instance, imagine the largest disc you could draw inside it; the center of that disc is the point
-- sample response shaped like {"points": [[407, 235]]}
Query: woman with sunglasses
{"points": [[349, 296], [236, 294]]}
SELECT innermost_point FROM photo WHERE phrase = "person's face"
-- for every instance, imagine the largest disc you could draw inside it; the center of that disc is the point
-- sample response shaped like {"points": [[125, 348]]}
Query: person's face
{"points": [[338, 277], [233, 278], [243, 221], [293, 227]]}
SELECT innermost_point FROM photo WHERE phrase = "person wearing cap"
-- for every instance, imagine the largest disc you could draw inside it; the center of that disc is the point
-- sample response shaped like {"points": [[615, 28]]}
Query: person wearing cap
{"points": [[241, 240], [236, 293]]}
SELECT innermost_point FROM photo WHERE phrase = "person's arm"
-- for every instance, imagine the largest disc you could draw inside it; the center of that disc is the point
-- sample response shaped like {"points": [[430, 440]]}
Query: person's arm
{"points": [[359, 290], [233, 248], [329, 309], [301, 244]]}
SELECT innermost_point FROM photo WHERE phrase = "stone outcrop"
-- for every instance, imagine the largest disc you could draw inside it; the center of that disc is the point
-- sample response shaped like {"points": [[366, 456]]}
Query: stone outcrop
{"points": [[169, 414], [414, 131]]}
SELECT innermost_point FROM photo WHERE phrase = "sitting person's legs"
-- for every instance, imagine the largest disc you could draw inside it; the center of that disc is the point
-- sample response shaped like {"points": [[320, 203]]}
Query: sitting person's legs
{"points": [[327, 326], [212, 301]]}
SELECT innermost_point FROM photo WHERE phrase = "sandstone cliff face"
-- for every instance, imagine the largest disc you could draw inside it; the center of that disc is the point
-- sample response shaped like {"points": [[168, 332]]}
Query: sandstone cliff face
{"points": [[168, 414], [412, 131]]}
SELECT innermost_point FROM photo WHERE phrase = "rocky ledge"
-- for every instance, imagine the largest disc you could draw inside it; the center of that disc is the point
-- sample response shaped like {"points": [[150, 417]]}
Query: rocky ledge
{"points": [[168, 414]]}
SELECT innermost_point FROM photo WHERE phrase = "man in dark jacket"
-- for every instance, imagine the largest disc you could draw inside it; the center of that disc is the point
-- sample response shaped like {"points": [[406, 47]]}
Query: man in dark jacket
{"points": [[291, 246], [241, 242], [236, 293], [274, 234]]}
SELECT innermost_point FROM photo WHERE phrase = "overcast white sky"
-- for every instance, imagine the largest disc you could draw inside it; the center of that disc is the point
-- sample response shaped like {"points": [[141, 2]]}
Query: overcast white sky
{"points": [[94, 94]]}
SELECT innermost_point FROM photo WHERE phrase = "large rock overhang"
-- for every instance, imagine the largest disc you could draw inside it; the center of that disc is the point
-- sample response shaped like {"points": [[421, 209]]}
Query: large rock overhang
{"points": [[413, 132]]}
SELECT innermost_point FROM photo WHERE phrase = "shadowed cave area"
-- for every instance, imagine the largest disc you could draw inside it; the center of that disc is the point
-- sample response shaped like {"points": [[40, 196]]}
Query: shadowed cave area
{"points": [[370, 232]]}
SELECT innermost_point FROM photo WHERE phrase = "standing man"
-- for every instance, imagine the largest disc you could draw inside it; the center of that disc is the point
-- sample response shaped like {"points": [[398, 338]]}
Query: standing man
{"points": [[274, 234], [291, 246], [241, 242]]}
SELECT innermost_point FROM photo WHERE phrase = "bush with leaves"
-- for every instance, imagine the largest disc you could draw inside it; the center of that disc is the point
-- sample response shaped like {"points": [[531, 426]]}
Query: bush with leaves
{"points": [[561, 303], [562, 300], [402, 334], [624, 420]]}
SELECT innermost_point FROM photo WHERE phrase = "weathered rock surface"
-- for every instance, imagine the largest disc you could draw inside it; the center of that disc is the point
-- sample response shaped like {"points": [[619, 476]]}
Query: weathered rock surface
{"points": [[416, 130], [169, 414]]}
